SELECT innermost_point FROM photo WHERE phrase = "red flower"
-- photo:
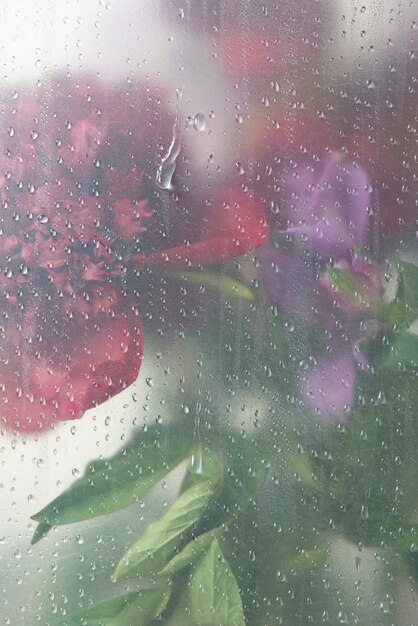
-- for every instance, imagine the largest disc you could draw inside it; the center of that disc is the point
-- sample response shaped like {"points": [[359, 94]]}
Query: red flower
{"points": [[254, 53], [64, 354], [80, 211], [235, 224]]}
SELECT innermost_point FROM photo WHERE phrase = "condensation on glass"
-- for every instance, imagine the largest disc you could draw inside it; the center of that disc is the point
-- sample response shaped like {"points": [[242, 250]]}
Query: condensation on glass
{"points": [[209, 312]]}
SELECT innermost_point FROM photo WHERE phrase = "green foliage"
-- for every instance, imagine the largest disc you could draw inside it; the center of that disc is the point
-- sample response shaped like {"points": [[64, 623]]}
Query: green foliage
{"points": [[348, 285], [222, 283], [403, 310], [191, 553], [138, 608], [356, 479], [243, 473], [211, 595], [404, 350], [306, 561], [214, 593], [111, 484], [150, 554], [408, 287], [145, 607]]}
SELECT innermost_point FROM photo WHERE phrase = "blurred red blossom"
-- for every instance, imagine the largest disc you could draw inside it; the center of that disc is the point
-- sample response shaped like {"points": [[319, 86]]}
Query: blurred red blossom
{"points": [[79, 212]]}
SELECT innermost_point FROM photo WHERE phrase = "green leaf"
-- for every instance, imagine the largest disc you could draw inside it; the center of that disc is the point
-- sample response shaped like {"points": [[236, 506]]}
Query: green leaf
{"points": [[145, 607], [214, 595], [243, 473], [203, 465], [404, 350], [106, 609], [406, 305], [348, 285], [138, 607], [109, 485], [218, 282], [410, 277], [150, 554], [399, 535], [40, 532], [192, 552], [306, 561]]}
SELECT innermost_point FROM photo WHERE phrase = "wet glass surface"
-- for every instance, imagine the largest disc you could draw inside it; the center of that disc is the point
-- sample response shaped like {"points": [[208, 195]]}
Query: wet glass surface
{"points": [[209, 313]]}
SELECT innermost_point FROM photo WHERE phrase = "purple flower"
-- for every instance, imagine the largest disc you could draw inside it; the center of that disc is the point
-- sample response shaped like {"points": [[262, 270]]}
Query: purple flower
{"points": [[329, 386], [313, 273], [330, 213]]}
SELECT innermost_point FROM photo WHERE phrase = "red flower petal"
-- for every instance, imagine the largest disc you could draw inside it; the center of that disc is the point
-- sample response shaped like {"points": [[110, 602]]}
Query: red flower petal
{"points": [[236, 225], [253, 53], [58, 361]]}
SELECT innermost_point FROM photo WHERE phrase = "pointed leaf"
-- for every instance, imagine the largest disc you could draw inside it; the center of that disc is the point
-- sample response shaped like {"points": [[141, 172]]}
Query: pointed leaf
{"points": [[409, 286], [346, 282], [143, 605], [404, 308], [114, 483], [404, 350], [214, 594], [307, 561], [108, 608], [41, 531], [243, 473], [217, 282], [400, 535], [150, 554], [192, 552]]}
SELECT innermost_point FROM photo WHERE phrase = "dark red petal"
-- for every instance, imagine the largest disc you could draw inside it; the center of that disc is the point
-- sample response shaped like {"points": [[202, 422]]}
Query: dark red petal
{"points": [[59, 362], [236, 225]]}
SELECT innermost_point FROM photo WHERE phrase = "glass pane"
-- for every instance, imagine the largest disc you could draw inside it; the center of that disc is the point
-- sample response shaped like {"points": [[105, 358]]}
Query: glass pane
{"points": [[209, 313]]}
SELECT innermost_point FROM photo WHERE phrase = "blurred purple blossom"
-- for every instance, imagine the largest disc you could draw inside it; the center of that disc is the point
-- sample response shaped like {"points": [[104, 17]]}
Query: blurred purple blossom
{"points": [[314, 273], [331, 214]]}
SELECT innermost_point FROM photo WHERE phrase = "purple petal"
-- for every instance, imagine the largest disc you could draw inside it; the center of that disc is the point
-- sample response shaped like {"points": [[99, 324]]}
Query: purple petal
{"points": [[329, 387], [296, 286], [336, 218], [293, 284], [275, 264]]}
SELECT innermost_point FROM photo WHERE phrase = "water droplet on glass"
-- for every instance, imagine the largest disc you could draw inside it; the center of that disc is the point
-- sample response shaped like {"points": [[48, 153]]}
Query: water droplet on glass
{"points": [[169, 160], [196, 462], [199, 122]]}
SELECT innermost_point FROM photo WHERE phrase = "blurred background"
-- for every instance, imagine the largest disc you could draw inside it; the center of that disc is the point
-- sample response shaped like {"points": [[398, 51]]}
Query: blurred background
{"points": [[255, 90]]}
